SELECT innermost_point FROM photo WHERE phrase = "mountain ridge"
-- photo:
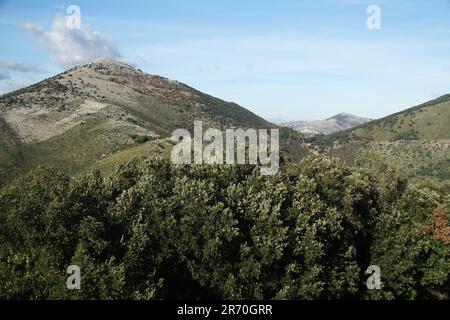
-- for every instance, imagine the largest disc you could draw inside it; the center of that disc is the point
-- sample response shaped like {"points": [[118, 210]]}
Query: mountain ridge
{"points": [[330, 125]]}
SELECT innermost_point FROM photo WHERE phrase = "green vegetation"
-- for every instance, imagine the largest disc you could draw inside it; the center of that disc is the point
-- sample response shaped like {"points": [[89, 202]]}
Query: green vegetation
{"points": [[107, 165], [426, 121], [92, 142], [152, 230], [77, 149], [77, 186], [417, 138], [419, 159], [10, 153]]}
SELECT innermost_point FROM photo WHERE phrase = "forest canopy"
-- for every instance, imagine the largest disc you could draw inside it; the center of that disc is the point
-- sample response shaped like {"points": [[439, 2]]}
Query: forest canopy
{"points": [[154, 230]]}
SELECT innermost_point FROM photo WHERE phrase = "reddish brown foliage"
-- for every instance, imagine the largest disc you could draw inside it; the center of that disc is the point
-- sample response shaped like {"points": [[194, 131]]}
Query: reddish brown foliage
{"points": [[438, 226]]}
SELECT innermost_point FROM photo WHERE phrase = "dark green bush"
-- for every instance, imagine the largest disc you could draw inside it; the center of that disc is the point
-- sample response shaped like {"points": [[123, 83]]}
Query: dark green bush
{"points": [[153, 230]]}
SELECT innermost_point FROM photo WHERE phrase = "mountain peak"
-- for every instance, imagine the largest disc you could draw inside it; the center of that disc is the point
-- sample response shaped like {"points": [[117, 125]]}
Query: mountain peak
{"points": [[109, 61], [342, 114], [106, 60], [106, 65], [345, 115]]}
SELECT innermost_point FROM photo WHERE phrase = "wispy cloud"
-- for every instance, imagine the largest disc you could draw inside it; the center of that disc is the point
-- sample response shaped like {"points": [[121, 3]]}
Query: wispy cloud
{"points": [[68, 47], [4, 76], [272, 55], [294, 71], [20, 66]]}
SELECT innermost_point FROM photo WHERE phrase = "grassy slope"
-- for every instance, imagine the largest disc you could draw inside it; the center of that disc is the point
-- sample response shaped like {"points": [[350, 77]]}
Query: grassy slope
{"points": [[426, 121], [77, 149], [417, 138], [158, 147], [418, 158], [291, 145], [166, 116]]}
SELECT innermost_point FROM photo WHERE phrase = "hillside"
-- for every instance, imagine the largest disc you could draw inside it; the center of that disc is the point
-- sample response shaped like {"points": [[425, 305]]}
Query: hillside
{"points": [[429, 120], [416, 138], [336, 123], [10, 152], [95, 110]]}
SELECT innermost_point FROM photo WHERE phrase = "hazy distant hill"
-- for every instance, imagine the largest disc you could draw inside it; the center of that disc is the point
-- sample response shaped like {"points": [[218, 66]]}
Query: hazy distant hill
{"points": [[337, 123], [278, 121], [97, 109]]}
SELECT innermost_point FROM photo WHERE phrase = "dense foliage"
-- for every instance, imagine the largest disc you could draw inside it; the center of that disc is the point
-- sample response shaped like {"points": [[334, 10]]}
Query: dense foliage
{"points": [[153, 230]]}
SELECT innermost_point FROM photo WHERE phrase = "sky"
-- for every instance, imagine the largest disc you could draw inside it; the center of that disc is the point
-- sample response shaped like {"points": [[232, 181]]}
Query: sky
{"points": [[281, 59]]}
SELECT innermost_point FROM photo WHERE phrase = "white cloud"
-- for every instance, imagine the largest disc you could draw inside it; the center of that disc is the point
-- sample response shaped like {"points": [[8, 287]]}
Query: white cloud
{"points": [[69, 47]]}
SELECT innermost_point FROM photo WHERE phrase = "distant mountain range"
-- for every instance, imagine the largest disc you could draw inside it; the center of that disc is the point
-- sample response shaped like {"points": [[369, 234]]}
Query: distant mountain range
{"points": [[334, 124]]}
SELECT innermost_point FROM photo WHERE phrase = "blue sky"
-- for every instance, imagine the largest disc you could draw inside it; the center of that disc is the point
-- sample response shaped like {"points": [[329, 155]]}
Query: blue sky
{"points": [[295, 60]]}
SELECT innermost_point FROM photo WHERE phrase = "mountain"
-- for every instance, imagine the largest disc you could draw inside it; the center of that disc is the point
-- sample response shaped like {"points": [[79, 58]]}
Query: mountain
{"points": [[97, 109], [337, 123]]}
